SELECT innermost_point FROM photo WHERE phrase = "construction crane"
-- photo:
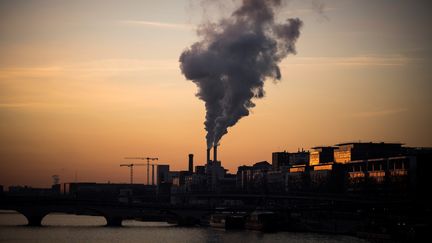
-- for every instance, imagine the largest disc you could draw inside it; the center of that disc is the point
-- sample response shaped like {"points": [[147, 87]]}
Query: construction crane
{"points": [[148, 167], [131, 170]]}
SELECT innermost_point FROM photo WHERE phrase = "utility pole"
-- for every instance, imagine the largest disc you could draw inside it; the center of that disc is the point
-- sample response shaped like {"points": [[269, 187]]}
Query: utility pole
{"points": [[148, 167]]}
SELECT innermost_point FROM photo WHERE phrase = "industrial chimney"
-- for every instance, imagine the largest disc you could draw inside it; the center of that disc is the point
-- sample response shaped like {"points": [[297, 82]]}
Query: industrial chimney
{"points": [[215, 153], [208, 155], [191, 163]]}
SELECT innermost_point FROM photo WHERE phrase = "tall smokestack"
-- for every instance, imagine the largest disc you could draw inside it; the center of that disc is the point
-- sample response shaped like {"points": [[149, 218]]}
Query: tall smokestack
{"points": [[190, 163], [208, 155], [215, 153]]}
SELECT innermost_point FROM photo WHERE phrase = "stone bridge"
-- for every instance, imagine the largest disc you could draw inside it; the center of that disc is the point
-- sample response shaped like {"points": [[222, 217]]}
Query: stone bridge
{"points": [[185, 213], [36, 208]]}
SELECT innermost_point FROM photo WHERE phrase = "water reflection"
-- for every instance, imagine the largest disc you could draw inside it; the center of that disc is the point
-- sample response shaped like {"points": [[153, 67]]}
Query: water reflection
{"points": [[72, 228]]}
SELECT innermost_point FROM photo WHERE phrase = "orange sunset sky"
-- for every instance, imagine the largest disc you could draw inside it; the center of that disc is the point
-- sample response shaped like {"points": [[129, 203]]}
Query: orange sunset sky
{"points": [[85, 83]]}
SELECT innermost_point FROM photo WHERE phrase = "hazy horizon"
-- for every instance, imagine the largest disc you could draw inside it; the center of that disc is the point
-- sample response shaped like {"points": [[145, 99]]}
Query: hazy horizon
{"points": [[84, 84]]}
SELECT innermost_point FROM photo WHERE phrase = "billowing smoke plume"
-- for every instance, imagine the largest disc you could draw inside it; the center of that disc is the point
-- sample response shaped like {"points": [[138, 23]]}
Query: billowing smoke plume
{"points": [[233, 59]]}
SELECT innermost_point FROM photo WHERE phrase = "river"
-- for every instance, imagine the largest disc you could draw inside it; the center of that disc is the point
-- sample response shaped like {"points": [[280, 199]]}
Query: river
{"points": [[73, 228]]}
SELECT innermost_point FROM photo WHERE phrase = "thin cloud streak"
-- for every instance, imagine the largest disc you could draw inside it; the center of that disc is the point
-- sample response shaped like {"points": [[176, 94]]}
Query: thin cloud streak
{"points": [[370, 114], [158, 24], [34, 105], [351, 61], [96, 67]]}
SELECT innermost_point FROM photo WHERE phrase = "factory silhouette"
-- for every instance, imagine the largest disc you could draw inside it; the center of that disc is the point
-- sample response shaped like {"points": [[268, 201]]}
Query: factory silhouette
{"points": [[369, 189], [345, 168]]}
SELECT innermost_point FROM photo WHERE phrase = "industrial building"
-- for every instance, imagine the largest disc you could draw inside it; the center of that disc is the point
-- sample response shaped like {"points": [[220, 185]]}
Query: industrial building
{"points": [[301, 157], [346, 168], [280, 159], [320, 155], [373, 168], [253, 178], [346, 152], [163, 174]]}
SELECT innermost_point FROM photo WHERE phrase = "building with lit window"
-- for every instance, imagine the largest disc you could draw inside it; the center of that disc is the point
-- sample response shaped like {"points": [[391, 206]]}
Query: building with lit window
{"points": [[358, 151], [320, 155]]}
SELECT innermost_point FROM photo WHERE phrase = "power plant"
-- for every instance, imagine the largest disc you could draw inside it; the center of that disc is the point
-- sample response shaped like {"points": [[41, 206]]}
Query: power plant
{"points": [[214, 153], [332, 180]]}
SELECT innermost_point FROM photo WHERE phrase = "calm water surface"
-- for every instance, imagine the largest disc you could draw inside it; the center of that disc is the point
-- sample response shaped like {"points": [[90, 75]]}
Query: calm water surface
{"points": [[72, 228]]}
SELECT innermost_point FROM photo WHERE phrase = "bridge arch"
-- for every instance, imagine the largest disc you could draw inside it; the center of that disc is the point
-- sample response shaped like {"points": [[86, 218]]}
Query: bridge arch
{"points": [[113, 218], [12, 217], [33, 215], [113, 221]]}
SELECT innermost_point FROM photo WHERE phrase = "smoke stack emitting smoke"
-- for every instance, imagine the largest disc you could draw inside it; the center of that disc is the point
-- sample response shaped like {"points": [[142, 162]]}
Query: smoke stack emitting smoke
{"points": [[215, 153], [233, 59]]}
